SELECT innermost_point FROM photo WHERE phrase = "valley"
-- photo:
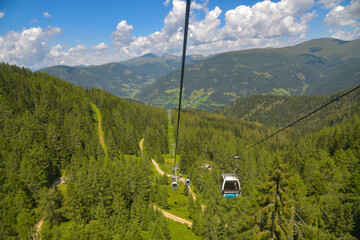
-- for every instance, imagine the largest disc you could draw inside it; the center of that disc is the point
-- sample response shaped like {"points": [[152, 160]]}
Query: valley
{"points": [[106, 132], [117, 156], [316, 67]]}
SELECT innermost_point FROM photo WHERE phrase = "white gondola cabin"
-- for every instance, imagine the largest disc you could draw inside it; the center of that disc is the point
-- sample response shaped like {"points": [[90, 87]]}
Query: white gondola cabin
{"points": [[187, 182], [230, 185], [174, 186]]}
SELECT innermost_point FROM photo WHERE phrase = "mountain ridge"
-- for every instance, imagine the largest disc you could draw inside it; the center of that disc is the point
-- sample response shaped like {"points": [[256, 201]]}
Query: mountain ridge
{"points": [[125, 78], [318, 66]]}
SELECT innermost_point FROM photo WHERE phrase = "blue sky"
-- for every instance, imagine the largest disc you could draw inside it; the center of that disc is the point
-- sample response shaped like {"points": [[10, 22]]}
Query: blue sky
{"points": [[42, 33]]}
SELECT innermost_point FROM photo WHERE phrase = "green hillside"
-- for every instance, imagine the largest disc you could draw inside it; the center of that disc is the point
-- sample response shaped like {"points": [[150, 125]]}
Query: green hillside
{"points": [[48, 130], [320, 66], [302, 184], [123, 79], [279, 111], [308, 178]]}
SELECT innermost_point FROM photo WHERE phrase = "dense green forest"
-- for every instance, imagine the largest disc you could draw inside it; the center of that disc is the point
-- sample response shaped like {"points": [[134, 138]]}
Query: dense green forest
{"points": [[48, 130], [304, 183], [293, 186]]}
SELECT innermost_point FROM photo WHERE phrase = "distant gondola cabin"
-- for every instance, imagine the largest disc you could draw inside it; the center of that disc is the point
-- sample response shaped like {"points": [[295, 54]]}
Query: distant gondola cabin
{"points": [[230, 185], [174, 186]]}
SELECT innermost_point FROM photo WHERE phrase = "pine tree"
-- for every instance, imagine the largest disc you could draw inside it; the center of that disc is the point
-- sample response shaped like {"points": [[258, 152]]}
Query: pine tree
{"points": [[186, 190], [275, 216], [191, 207], [133, 232], [156, 233], [164, 179]]}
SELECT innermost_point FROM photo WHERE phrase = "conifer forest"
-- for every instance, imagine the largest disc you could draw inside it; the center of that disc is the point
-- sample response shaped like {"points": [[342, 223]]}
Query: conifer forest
{"points": [[79, 164]]}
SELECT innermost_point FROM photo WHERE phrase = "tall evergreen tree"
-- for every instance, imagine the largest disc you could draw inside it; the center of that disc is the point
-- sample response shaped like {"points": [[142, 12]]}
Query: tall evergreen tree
{"points": [[275, 216]]}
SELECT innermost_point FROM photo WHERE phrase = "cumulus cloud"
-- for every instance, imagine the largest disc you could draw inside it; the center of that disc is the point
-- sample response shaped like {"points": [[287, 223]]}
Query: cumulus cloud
{"points": [[264, 24], [166, 2], [267, 19], [2, 14], [78, 48], [346, 35], [122, 35], [206, 30], [101, 47], [47, 15], [175, 18], [329, 3], [27, 47], [342, 16]]}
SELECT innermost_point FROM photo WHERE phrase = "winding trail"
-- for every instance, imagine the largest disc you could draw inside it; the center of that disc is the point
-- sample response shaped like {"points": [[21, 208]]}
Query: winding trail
{"points": [[38, 226], [174, 217], [141, 147], [100, 131], [165, 213], [158, 169]]}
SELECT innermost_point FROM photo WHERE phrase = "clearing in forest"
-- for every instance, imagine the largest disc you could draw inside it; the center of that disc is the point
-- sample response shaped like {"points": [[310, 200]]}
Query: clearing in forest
{"points": [[100, 131]]}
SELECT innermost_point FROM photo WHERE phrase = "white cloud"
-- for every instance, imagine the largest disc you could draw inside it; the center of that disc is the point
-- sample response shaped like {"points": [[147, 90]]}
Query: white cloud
{"points": [[175, 18], [2, 14], [101, 47], [47, 15], [122, 35], [342, 16], [268, 19], [166, 2], [264, 24], [329, 3], [245, 26], [346, 35], [27, 47], [206, 30], [78, 48]]}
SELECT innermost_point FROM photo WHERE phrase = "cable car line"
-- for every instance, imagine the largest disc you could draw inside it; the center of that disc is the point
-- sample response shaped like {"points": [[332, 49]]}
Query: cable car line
{"points": [[186, 27], [229, 183], [298, 120]]}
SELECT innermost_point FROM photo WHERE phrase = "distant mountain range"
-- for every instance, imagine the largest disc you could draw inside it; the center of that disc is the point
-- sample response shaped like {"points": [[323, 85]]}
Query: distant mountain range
{"points": [[123, 79], [319, 66]]}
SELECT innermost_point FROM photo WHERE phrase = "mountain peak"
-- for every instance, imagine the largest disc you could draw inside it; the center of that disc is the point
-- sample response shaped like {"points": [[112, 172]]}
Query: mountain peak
{"points": [[149, 55]]}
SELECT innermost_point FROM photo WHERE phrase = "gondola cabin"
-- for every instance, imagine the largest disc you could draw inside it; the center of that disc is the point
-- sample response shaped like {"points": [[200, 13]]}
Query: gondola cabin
{"points": [[187, 182], [230, 185], [173, 179], [174, 186]]}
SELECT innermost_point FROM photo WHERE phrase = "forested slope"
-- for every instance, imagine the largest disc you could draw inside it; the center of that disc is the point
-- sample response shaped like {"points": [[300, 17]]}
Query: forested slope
{"points": [[303, 187], [304, 183], [48, 129], [278, 111]]}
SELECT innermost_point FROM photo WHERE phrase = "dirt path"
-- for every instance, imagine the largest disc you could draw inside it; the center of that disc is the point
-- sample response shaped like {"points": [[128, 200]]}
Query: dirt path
{"points": [[174, 217], [38, 226], [141, 147], [101, 136], [158, 169], [100, 131]]}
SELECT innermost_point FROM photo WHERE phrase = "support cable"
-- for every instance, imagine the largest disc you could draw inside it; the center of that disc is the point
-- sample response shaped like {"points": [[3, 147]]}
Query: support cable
{"points": [[187, 13], [298, 120]]}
